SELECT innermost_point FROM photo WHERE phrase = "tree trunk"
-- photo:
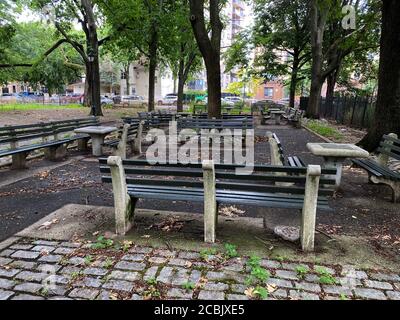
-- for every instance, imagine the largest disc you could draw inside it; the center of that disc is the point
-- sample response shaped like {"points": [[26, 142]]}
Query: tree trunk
{"points": [[387, 113], [293, 82], [152, 68], [92, 67], [95, 88], [127, 80], [330, 89], [214, 87], [210, 49], [181, 84], [318, 22]]}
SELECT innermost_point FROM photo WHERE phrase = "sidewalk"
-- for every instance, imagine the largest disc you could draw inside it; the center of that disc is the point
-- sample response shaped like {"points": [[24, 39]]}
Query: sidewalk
{"points": [[37, 269]]}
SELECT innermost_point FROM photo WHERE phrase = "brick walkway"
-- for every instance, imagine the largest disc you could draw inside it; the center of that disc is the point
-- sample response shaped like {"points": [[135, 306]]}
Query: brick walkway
{"points": [[37, 269]]}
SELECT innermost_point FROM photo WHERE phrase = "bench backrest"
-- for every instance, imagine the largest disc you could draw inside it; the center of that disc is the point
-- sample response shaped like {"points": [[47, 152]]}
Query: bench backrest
{"points": [[390, 146], [219, 124], [262, 179], [39, 130], [280, 148]]}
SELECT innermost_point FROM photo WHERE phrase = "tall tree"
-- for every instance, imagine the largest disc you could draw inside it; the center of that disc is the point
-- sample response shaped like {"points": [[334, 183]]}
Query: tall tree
{"points": [[387, 113], [63, 66], [139, 25], [210, 48], [282, 26], [181, 52], [65, 13], [329, 52]]}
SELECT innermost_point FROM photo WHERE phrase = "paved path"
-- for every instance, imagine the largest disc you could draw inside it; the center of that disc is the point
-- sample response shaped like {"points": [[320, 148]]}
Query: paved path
{"points": [[37, 269]]}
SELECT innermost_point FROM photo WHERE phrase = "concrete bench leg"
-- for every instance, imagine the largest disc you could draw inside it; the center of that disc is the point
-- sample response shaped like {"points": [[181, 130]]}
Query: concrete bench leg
{"points": [[210, 202], [122, 145], [309, 213], [19, 161], [394, 185], [124, 205], [137, 143], [56, 153], [83, 144]]}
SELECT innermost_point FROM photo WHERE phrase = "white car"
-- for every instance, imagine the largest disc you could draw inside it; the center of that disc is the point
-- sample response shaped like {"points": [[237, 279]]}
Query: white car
{"points": [[169, 100], [234, 100], [134, 100]]}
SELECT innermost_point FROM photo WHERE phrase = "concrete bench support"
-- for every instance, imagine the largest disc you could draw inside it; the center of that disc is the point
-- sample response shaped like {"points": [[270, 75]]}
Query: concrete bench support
{"points": [[309, 213], [137, 142], [121, 148], [56, 153], [210, 202], [124, 206], [83, 144], [273, 145], [383, 159], [19, 161]]}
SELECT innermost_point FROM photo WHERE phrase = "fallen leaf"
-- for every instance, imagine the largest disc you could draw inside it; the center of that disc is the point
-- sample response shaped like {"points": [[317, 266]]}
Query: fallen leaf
{"points": [[271, 288], [249, 292]]}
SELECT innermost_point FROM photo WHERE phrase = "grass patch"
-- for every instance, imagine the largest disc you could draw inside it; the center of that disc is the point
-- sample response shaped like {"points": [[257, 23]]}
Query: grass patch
{"points": [[324, 129], [37, 106]]}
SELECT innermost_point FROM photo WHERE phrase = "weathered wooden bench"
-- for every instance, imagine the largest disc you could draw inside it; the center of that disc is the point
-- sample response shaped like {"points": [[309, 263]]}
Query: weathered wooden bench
{"points": [[278, 155], [216, 124], [46, 136], [378, 171], [127, 134], [293, 116], [218, 184], [223, 116]]}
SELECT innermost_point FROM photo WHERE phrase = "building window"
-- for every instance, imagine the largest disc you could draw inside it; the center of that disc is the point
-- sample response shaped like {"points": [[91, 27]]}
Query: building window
{"points": [[268, 92]]}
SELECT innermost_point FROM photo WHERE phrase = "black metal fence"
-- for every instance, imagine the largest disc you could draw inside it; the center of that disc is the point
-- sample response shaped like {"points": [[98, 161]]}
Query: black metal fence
{"points": [[348, 110]]}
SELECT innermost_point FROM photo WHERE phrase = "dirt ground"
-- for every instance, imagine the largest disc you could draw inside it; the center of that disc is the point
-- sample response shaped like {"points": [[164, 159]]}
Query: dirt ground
{"points": [[35, 116], [360, 209]]}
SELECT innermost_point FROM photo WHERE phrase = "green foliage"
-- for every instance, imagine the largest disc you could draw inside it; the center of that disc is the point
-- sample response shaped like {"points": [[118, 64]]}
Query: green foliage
{"points": [[31, 106], [188, 286], [301, 271], [206, 253], [325, 277], [257, 273], [324, 129], [231, 250], [29, 44], [102, 243], [260, 292], [152, 281], [88, 260], [108, 263]]}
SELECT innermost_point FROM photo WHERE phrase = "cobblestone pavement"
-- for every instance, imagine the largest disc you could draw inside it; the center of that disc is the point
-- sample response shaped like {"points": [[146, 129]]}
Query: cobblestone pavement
{"points": [[36, 269]]}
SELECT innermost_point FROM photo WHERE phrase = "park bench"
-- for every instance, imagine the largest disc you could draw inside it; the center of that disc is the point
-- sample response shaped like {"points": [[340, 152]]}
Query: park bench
{"points": [[46, 136], [217, 124], [218, 184], [129, 133], [378, 171], [278, 156], [224, 116], [293, 116]]}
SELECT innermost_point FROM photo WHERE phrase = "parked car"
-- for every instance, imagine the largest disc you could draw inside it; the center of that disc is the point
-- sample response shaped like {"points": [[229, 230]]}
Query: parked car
{"points": [[105, 101], [234, 100], [168, 100], [134, 100]]}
